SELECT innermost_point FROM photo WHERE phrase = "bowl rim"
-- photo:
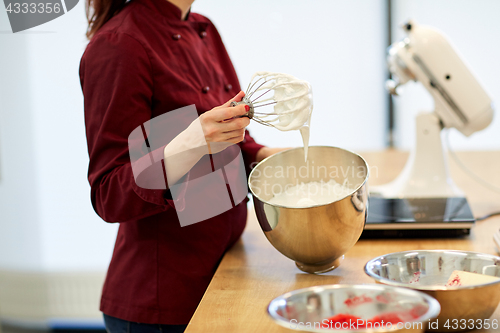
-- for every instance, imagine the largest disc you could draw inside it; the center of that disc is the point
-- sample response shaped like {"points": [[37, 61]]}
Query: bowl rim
{"points": [[432, 312], [386, 281], [321, 146]]}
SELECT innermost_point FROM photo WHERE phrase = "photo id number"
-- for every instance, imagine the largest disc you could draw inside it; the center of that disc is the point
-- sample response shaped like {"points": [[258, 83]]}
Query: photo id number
{"points": [[471, 324], [33, 8]]}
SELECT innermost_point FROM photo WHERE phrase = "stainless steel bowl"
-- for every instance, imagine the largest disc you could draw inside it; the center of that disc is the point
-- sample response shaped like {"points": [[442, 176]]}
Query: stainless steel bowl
{"points": [[316, 237], [309, 309], [462, 307]]}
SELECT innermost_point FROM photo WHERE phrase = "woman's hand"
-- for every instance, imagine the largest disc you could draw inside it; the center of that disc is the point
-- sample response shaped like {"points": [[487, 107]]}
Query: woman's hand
{"points": [[222, 126], [218, 128]]}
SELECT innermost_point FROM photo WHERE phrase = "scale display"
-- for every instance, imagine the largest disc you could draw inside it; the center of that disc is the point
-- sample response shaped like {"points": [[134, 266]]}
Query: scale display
{"points": [[419, 217]]}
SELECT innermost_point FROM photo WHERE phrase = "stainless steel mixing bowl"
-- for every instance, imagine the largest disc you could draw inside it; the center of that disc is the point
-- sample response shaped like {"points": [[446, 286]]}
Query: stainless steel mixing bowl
{"points": [[462, 307], [317, 237], [309, 309]]}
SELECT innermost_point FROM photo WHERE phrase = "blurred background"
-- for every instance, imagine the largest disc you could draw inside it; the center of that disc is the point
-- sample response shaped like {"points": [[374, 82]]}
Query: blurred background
{"points": [[54, 249]]}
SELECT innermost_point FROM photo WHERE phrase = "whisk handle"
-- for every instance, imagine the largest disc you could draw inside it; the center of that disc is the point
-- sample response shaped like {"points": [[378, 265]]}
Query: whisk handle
{"points": [[250, 112]]}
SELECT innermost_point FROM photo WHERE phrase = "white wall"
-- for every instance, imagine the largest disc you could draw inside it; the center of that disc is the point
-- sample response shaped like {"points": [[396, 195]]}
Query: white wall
{"points": [[338, 46], [19, 202], [473, 28], [46, 218]]}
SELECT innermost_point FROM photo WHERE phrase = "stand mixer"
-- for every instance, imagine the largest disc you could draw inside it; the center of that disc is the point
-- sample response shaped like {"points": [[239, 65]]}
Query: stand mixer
{"points": [[423, 196]]}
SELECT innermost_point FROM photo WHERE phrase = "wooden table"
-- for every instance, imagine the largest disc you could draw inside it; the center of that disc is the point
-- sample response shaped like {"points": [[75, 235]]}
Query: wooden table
{"points": [[253, 272]]}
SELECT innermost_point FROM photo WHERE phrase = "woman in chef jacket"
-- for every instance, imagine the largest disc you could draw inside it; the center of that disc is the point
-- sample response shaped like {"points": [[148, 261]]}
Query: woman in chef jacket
{"points": [[147, 59]]}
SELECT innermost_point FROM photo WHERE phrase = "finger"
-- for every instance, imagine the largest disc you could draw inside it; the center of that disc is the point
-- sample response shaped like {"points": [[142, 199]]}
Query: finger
{"points": [[232, 134], [219, 132], [237, 139], [235, 124], [236, 98], [228, 113]]}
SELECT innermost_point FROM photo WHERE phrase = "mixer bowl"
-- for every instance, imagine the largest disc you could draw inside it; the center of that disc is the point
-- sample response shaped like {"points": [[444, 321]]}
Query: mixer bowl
{"points": [[462, 307], [316, 237], [312, 309]]}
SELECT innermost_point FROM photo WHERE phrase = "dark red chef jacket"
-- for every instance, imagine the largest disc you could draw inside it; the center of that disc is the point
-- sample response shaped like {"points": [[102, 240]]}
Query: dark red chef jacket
{"points": [[143, 63]]}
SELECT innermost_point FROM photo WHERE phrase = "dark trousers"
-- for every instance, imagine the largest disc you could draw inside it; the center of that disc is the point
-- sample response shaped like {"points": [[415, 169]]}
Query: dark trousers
{"points": [[115, 325]]}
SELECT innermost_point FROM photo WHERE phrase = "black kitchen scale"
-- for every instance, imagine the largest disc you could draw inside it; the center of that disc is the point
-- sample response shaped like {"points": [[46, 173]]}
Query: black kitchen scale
{"points": [[418, 218]]}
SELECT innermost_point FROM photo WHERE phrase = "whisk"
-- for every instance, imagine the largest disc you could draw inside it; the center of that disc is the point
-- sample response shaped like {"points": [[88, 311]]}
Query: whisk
{"points": [[291, 97]]}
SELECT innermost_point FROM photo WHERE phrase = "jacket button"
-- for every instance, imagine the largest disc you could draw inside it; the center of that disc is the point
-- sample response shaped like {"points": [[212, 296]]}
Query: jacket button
{"points": [[176, 36], [228, 87], [203, 34], [205, 89]]}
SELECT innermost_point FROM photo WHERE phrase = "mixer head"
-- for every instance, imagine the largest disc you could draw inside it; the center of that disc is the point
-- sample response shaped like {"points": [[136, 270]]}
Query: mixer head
{"points": [[427, 56]]}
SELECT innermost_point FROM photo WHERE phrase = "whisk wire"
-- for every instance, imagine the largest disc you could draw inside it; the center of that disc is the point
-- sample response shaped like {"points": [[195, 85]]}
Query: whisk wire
{"points": [[261, 105], [251, 84], [253, 92], [263, 122], [264, 101], [261, 95]]}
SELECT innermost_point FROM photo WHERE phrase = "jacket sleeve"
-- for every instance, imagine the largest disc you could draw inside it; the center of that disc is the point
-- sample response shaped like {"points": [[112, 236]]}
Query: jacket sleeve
{"points": [[249, 149], [117, 83]]}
